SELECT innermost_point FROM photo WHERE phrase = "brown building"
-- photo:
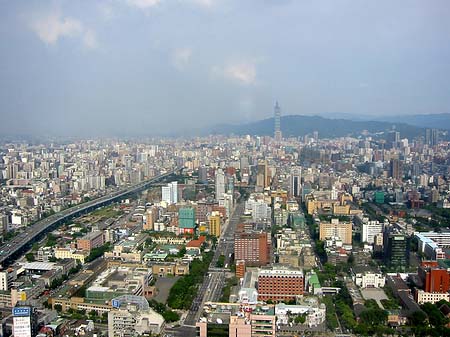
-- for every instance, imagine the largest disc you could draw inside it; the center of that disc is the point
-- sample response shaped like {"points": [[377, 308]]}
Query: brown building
{"points": [[240, 268], [90, 241], [280, 284], [434, 278], [254, 247]]}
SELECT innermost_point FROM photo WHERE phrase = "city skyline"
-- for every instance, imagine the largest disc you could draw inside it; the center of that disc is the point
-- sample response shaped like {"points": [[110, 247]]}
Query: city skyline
{"points": [[112, 68]]}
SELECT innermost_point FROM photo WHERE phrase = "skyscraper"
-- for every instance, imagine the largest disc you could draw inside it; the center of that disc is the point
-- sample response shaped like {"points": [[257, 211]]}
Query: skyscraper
{"points": [[220, 184], [396, 249], [277, 121], [295, 181], [170, 193]]}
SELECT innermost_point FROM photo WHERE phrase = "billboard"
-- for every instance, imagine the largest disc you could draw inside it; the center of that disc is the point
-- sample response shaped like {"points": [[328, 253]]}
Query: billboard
{"points": [[115, 303], [21, 312]]}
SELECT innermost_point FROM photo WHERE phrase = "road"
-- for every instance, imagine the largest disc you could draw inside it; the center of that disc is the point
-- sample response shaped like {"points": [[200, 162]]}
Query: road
{"points": [[214, 280], [12, 248]]}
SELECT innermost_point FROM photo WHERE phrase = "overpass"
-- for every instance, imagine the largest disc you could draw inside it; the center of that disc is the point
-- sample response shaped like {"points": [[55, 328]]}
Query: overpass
{"points": [[12, 249]]}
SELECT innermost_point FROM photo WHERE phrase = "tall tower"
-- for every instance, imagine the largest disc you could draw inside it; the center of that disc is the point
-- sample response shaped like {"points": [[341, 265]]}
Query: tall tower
{"points": [[277, 120]]}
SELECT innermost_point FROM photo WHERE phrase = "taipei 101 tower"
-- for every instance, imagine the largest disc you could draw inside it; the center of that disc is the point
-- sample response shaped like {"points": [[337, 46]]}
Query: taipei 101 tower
{"points": [[277, 120]]}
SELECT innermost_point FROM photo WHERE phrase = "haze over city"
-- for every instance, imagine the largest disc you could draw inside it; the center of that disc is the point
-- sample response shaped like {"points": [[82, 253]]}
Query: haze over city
{"points": [[145, 67]]}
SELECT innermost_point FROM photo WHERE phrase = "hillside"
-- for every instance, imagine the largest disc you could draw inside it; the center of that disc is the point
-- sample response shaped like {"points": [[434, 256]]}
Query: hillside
{"points": [[298, 125]]}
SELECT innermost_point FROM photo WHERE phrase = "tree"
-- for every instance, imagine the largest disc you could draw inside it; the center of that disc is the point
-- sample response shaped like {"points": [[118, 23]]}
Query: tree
{"points": [[300, 319], [58, 307], [30, 257]]}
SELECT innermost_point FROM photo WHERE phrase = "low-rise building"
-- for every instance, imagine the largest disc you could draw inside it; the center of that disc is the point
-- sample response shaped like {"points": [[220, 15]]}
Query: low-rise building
{"points": [[70, 253]]}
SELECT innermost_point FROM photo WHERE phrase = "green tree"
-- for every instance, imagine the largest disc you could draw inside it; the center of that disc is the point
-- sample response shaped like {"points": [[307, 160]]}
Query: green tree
{"points": [[30, 257]]}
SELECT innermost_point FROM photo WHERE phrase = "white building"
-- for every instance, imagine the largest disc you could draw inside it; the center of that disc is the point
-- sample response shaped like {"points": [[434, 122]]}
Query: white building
{"points": [[315, 314], [132, 316], [369, 279], [423, 297], [431, 244], [370, 229], [170, 193], [220, 184]]}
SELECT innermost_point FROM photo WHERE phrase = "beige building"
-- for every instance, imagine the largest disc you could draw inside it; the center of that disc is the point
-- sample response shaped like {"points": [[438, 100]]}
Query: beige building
{"points": [[164, 269], [69, 253], [341, 230]]}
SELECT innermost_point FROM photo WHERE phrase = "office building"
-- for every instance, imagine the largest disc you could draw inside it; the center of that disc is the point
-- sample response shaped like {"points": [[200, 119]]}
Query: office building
{"points": [[295, 182], [370, 229], [90, 241], [24, 321], [150, 216], [220, 184], [280, 284], [277, 123], [395, 169], [254, 247], [434, 278], [395, 249], [170, 193], [186, 220]]}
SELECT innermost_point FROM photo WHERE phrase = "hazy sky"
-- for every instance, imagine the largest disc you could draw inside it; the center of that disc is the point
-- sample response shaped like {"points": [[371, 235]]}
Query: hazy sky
{"points": [[118, 67]]}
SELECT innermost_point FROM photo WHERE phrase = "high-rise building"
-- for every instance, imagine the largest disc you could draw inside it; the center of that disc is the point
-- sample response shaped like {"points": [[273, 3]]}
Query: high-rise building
{"points": [[220, 184], [434, 278], [24, 321], [395, 249], [170, 193], [370, 229], [203, 175], [336, 229], [151, 215], [431, 137], [186, 220], [280, 284], [395, 169], [214, 224], [295, 182], [277, 122], [253, 247], [262, 175]]}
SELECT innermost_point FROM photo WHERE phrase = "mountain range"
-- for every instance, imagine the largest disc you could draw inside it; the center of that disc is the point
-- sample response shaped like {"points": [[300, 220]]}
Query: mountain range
{"points": [[300, 125]]}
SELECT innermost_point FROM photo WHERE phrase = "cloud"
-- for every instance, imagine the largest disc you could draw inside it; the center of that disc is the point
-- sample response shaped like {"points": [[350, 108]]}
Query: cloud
{"points": [[181, 58], [143, 4], [52, 27], [242, 72]]}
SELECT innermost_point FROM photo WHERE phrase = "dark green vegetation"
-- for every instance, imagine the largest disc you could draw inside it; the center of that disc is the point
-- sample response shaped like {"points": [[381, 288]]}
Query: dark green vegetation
{"points": [[226, 291], [430, 321], [220, 261], [169, 315], [97, 252], [184, 290]]}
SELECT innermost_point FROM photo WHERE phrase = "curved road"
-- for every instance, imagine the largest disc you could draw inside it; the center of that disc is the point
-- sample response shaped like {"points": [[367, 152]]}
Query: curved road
{"points": [[12, 248]]}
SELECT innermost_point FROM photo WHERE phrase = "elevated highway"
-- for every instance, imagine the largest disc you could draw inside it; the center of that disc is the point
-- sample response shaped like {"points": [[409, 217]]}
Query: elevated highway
{"points": [[12, 249]]}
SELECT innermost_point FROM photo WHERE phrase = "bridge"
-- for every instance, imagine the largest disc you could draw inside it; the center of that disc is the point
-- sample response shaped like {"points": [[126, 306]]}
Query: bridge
{"points": [[12, 249]]}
